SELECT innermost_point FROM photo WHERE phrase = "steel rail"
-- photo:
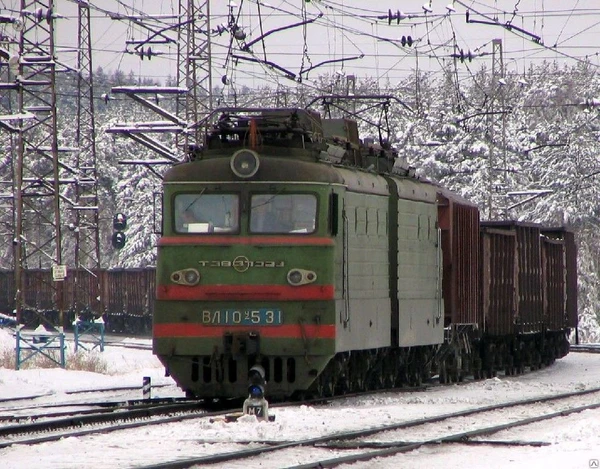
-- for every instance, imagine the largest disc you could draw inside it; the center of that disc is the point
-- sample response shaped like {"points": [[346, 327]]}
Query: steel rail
{"points": [[236, 455], [585, 348], [142, 414], [454, 438]]}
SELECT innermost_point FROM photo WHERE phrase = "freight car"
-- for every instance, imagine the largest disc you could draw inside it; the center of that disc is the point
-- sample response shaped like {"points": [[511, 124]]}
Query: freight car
{"points": [[123, 297], [291, 244]]}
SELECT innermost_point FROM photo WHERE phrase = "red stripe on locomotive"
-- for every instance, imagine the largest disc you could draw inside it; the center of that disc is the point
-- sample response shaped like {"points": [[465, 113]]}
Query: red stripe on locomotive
{"points": [[244, 292], [285, 331]]}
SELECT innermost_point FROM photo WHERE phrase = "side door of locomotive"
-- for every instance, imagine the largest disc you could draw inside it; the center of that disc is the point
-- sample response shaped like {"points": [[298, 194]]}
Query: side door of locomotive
{"points": [[339, 228]]}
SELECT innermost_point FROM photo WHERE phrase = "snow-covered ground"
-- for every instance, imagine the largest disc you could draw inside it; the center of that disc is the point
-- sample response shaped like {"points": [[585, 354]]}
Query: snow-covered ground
{"points": [[574, 441]]}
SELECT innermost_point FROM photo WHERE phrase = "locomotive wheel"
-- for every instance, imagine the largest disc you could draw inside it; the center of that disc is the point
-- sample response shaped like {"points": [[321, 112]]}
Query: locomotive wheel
{"points": [[454, 369], [519, 368], [510, 369], [378, 382], [415, 377], [538, 360], [419, 376], [343, 385], [443, 374], [466, 366], [476, 368], [325, 386]]}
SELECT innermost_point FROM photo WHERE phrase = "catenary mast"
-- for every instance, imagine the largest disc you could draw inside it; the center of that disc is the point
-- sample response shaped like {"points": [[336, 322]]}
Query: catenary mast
{"points": [[37, 175]]}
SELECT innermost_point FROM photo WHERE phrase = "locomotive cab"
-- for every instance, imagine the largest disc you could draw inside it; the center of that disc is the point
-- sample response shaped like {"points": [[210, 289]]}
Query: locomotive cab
{"points": [[245, 271]]}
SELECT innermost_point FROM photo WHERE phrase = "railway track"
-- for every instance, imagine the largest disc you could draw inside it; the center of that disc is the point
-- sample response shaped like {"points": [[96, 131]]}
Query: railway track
{"points": [[6, 402], [207, 434], [115, 416], [354, 446], [104, 417], [587, 348], [73, 409], [60, 420], [198, 425], [46, 427]]}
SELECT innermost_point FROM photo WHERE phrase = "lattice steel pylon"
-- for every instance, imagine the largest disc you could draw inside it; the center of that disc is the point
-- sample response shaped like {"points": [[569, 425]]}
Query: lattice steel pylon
{"points": [[495, 91], [37, 240], [86, 213], [8, 45], [194, 65]]}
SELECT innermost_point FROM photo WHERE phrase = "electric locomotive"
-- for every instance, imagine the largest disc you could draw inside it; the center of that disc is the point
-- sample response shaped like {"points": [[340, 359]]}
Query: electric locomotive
{"points": [[294, 253], [280, 250]]}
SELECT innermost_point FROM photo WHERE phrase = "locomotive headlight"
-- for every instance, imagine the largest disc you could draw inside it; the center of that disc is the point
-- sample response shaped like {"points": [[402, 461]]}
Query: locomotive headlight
{"points": [[244, 163], [189, 277], [294, 277], [297, 277]]}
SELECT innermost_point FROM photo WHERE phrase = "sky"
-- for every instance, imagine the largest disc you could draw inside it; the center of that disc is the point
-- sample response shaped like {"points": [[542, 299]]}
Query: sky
{"points": [[348, 36], [574, 441]]}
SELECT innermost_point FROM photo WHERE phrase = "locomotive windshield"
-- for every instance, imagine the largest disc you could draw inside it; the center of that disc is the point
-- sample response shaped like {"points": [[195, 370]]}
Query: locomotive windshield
{"points": [[206, 213], [283, 213]]}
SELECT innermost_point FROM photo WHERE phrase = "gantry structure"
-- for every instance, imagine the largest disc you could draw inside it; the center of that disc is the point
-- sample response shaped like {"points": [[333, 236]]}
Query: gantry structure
{"points": [[53, 188], [193, 94], [49, 191]]}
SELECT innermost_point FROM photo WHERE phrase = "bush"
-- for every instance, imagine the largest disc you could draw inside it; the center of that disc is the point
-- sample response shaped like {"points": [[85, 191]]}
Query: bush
{"points": [[7, 358], [87, 361]]}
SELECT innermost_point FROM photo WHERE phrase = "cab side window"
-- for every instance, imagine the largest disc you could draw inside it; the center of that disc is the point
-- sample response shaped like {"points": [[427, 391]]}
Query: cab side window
{"points": [[206, 213], [283, 213]]}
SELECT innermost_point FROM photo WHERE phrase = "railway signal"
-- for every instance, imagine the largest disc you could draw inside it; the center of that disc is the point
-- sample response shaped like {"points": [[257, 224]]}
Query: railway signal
{"points": [[119, 224], [256, 404]]}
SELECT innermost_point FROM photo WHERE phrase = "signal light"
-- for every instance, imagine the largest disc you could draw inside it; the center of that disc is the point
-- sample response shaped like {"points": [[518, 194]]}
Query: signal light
{"points": [[256, 391], [120, 221], [256, 378], [119, 224], [256, 404], [256, 382], [118, 239], [406, 41]]}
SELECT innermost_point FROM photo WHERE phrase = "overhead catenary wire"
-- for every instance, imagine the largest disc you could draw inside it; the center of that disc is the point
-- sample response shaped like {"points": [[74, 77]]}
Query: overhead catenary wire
{"points": [[352, 33], [520, 33]]}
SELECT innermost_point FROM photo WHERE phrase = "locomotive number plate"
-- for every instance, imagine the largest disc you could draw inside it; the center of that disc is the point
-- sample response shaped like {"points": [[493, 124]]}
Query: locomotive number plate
{"points": [[249, 317]]}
